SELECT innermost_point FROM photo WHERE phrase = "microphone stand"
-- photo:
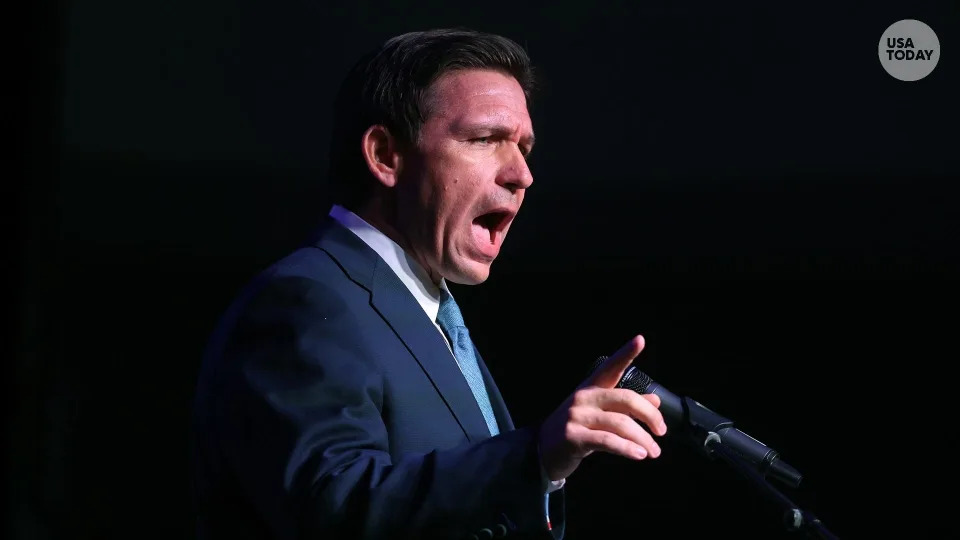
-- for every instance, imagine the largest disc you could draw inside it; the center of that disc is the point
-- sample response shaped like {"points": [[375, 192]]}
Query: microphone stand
{"points": [[794, 517], [702, 424]]}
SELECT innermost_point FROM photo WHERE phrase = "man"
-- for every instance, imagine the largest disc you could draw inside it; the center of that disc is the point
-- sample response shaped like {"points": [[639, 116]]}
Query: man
{"points": [[341, 396]]}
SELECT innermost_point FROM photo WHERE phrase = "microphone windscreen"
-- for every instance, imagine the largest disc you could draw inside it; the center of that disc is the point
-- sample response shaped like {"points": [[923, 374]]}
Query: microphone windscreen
{"points": [[636, 380], [633, 378], [597, 363]]}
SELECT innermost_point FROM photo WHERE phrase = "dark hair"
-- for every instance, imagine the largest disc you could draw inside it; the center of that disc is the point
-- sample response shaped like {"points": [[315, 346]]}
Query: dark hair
{"points": [[387, 86]]}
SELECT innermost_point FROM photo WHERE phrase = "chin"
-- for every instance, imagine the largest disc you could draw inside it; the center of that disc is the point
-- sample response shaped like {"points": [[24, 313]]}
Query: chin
{"points": [[470, 273]]}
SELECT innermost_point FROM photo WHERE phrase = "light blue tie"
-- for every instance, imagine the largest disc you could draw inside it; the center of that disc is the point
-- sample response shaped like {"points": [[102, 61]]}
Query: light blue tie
{"points": [[451, 321]]}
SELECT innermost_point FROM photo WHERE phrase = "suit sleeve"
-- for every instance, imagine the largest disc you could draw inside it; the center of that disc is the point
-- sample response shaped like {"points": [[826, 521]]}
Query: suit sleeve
{"points": [[300, 429]]}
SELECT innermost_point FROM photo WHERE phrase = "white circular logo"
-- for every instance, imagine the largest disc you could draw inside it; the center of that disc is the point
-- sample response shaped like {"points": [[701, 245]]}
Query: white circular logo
{"points": [[909, 50]]}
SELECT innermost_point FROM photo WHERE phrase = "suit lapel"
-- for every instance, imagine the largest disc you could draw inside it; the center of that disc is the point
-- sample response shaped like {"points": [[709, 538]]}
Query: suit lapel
{"points": [[402, 312], [392, 300]]}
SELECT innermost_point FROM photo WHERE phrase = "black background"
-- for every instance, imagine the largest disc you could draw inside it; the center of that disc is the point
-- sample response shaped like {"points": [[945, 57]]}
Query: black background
{"points": [[743, 184]]}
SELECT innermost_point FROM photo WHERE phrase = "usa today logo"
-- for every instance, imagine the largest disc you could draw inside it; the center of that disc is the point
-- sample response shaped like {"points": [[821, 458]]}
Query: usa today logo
{"points": [[909, 50]]}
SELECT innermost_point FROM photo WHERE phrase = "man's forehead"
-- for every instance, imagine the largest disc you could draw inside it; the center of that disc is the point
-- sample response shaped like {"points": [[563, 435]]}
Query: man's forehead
{"points": [[478, 95]]}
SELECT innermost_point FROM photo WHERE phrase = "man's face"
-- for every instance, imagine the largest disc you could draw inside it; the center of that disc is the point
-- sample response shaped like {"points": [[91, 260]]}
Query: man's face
{"points": [[459, 194]]}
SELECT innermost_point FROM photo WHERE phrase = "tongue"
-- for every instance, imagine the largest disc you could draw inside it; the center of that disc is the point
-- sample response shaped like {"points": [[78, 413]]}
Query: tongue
{"points": [[481, 232]]}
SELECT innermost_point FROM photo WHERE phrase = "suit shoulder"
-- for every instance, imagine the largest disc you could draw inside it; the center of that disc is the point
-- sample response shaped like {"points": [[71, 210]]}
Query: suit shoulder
{"points": [[308, 274], [307, 281], [307, 262]]}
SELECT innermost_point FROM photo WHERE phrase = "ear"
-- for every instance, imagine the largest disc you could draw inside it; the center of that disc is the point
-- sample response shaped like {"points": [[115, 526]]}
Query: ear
{"points": [[381, 151]]}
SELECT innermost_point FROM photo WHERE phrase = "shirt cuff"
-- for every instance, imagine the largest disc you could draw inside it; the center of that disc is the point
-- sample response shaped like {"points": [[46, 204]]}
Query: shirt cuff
{"points": [[555, 485]]}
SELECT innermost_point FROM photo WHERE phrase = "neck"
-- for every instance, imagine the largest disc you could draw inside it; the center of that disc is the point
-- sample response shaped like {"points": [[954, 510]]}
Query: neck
{"points": [[382, 217]]}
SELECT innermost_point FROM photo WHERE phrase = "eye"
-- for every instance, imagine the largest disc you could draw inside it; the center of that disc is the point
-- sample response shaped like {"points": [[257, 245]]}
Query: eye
{"points": [[481, 140]]}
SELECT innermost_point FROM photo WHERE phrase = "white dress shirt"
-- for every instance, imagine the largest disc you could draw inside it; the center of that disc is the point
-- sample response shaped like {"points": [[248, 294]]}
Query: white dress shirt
{"points": [[414, 276]]}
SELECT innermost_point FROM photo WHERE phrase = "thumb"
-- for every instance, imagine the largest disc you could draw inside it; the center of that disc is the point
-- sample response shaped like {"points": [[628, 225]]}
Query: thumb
{"points": [[611, 370]]}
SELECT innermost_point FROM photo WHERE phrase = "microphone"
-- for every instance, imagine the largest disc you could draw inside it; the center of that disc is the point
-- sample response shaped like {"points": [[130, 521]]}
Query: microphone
{"points": [[707, 427]]}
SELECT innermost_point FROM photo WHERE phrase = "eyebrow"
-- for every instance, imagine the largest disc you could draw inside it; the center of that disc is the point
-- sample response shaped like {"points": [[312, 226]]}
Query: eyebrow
{"points": [[500, 130]]}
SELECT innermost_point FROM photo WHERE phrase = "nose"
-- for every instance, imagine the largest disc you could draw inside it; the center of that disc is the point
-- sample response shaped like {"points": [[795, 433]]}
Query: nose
{"points": [[515, 173]]}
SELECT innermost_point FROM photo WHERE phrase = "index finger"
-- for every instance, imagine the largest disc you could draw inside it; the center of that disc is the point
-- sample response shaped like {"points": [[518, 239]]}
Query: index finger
{"points": [[608, 374]]}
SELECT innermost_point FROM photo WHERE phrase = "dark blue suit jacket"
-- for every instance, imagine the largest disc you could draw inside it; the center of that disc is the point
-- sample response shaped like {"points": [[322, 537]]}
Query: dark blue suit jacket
{"points": [[328, 406]]}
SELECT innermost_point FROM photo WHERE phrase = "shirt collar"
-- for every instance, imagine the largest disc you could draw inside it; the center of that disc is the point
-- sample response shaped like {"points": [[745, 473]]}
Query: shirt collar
{"points": [[410, 272]]}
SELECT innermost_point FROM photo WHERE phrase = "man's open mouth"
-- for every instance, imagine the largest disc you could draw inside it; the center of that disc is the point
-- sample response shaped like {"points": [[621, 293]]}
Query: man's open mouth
{"points": [[494, 222]]}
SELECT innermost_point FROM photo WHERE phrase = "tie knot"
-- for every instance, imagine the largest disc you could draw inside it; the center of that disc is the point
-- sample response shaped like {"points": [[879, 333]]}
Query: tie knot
{"points": [[449, 315]]}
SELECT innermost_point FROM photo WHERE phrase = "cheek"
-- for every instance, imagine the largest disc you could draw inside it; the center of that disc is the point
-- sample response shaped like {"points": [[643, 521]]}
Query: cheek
{"points": [[453, 185]]}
